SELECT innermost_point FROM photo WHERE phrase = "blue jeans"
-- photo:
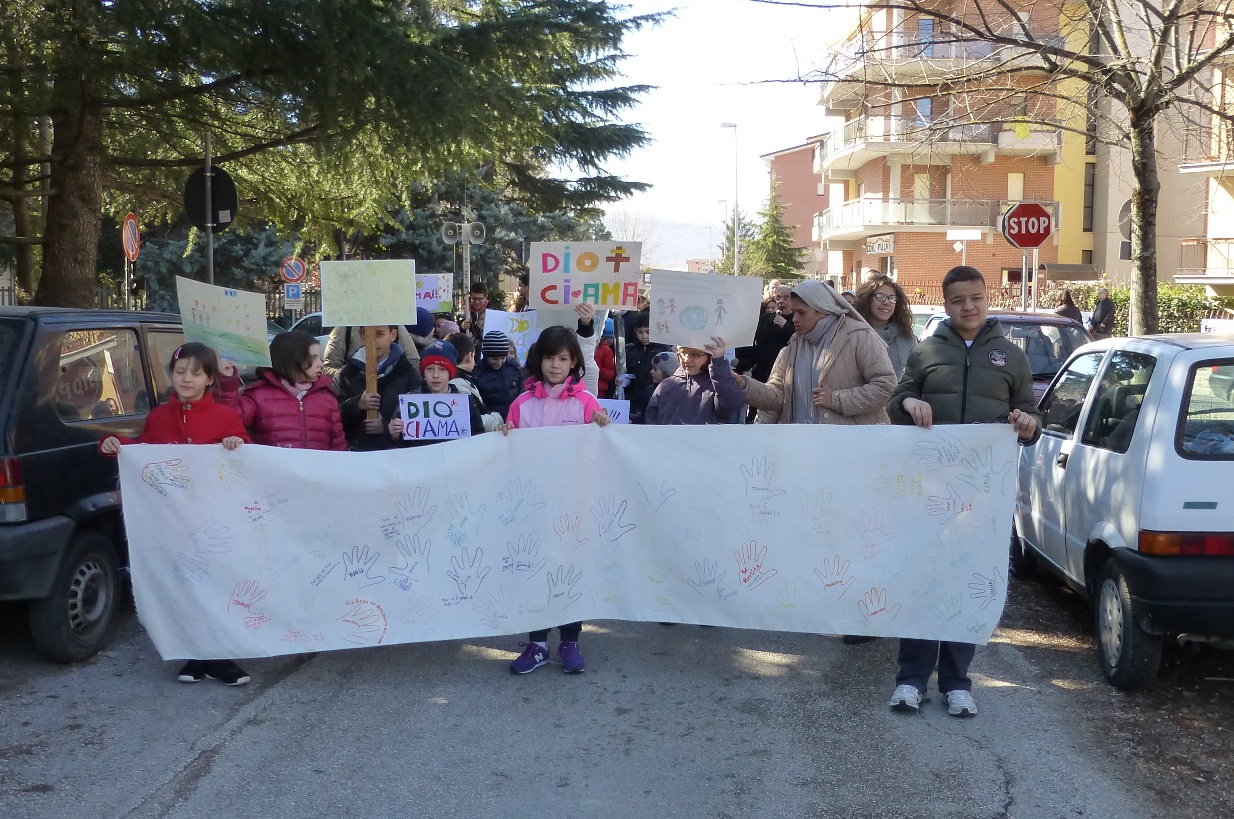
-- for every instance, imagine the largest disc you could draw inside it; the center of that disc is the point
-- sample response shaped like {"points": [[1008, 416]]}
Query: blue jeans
{"points": [[918, 659]]}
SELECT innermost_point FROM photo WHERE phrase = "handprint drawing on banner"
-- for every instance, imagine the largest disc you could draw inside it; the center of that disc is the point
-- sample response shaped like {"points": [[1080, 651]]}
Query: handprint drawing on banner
{"points": [[561, 593], [758, 479], [462, 519], [750, 560], [569, 531], [184, 619], [658, 498], [948, 608], [611, 559], [656, 571], [412, 566], [872, 529], [491, 606], [359, 567], [785, 601], [519, 502], [873, 605], [985, 589], [231, 474], [191, 569], [946, 507], [817, 508], [981, 474], [949, 550], [260, 509], [837, 579], [468, 571], [164, 475], [416, 614], [363, 624], [244, 599], [523, 558], [211, 538], [414, 510], [708, 576], [609, 516], [897, 483], [941, 450], [605, 593], [985, 525]]}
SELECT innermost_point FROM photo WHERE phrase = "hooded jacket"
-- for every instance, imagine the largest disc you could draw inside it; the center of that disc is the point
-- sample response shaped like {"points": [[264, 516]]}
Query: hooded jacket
{"points": [[465, 383], [498, 387], [967, 385], [606, 363], [278, 418], [204, 421], [710, 397], [562, 405]]}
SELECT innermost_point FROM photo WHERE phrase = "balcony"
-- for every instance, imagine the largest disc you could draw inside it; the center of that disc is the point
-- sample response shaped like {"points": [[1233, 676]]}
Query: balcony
{"points": [[913, 58], [1207, 261], [858, 218], [1207, 150], [870, 137]]}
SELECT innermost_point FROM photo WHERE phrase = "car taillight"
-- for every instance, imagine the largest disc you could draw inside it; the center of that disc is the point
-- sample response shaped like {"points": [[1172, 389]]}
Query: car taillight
{"points": [[1187, 544], [12, 491]]}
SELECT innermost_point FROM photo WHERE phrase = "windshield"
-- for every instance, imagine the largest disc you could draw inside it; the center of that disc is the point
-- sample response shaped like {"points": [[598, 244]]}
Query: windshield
{"points": [[1046, 345], [1206, 426]]}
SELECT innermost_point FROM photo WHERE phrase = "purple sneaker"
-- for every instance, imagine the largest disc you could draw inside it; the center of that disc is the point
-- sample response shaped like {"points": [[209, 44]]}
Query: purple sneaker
{"points": [[533, 657], [571, 657]]}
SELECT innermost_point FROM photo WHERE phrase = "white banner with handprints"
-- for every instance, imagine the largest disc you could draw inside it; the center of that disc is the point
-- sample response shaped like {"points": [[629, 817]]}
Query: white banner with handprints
{"points": [[266, 551]]}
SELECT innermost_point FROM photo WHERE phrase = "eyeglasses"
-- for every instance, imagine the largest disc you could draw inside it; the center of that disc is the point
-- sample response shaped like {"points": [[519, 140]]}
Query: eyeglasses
{"points": [[883, 298]]}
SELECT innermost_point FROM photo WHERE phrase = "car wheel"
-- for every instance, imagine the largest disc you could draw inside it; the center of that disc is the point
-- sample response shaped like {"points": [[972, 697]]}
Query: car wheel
{"points": [[1129, 655], [1023, 561], [75, 620]]}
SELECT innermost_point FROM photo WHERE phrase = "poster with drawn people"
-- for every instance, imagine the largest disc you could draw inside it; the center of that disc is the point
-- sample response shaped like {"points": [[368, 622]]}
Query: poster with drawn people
{"points": [[687, 309], [265, 551], [233, 322]]}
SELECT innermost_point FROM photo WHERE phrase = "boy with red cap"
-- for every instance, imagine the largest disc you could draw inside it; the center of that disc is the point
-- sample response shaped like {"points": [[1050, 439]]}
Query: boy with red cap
{"points": [[438, 364]]}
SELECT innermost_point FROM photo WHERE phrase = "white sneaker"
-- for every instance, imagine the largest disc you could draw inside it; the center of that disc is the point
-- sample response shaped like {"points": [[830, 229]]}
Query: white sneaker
{"points": [[960, 704], [906, 698]]}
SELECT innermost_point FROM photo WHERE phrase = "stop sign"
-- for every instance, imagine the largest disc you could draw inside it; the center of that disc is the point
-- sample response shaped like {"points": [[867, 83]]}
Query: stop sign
{"points": [[1027, 225]]}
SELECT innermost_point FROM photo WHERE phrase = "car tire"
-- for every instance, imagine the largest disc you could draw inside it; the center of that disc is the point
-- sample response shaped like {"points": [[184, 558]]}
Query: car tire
{"points": [[76, 619], [1022, 561], [1129, 655]]}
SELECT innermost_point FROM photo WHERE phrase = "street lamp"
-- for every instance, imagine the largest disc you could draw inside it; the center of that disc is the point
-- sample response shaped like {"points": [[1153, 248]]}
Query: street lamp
{"points": [[736, 204]]}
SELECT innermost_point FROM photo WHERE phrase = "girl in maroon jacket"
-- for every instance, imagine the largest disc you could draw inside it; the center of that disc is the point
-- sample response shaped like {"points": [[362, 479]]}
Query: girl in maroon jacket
{"points": [[293, 405], [191, 416]]}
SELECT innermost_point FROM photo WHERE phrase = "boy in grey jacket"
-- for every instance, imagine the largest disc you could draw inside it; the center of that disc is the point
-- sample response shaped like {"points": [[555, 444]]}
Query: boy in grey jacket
{"points": [[967, 372]]}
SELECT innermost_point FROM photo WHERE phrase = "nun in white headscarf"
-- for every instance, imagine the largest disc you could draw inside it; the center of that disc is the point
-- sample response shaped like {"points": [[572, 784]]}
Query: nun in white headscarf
{"points": [[835, 369]]}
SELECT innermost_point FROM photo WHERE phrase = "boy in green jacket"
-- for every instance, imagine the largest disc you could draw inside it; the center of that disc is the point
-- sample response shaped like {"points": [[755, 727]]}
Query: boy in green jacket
{"points": [[967, 372]]}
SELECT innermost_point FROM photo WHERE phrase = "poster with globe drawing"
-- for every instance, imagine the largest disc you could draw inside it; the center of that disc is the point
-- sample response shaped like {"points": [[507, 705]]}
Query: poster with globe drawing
{"points": [[687, 309]]}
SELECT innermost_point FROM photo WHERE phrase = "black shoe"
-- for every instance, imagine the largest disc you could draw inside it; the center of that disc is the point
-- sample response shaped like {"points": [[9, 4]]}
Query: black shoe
{"points": [[226, 672], [193, 671], [856, 639]]}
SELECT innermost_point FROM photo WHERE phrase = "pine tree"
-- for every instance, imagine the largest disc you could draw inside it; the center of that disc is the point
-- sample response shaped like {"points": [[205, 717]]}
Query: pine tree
{"points": [[772, 251], [724, 265]]}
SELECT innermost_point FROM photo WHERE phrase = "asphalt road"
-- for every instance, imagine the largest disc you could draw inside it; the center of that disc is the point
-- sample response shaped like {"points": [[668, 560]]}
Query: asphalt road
{"points": [[676, 721]]}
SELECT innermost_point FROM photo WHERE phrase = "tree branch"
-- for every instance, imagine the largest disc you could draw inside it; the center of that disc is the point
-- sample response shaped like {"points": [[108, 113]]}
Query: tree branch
{"points": [[302, 135]]}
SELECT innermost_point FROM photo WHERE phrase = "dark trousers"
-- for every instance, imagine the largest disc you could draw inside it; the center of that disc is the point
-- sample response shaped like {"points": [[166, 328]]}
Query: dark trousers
{"points": [[569, 634], [918, 659]]}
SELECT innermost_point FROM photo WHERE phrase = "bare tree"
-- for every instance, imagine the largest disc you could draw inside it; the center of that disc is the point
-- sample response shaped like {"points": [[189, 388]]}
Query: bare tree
{"points": [[1115, 70], [634, 226]]}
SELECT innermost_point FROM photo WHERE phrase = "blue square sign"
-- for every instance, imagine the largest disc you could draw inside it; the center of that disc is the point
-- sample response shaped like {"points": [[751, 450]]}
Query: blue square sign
{"points": [[291, 292]]}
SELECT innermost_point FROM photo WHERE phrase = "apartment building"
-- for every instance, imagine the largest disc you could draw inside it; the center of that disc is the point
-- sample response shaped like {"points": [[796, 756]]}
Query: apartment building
{"points": [[939, 132], [802, 193]]}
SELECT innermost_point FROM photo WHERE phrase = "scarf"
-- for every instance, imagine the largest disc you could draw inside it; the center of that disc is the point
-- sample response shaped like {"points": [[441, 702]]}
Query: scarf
{"points": [[806, 369], [299, 389], [385, 365]]}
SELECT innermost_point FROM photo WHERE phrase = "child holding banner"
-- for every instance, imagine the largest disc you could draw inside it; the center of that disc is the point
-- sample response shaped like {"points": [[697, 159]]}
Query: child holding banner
{"points": [[555, 397], [702, 391], [191, 416]]}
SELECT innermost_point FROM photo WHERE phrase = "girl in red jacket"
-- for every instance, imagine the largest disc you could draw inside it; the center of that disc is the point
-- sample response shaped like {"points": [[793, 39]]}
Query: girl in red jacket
{"points": [[191, 416], [293, 405]]}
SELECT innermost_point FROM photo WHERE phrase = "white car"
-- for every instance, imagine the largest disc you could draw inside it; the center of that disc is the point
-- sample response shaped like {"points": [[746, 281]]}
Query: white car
{"points": [[1129, 494]]}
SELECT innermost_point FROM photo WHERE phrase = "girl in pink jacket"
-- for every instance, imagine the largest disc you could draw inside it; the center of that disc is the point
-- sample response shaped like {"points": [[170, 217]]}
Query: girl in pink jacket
{"points": [[555, 397]]}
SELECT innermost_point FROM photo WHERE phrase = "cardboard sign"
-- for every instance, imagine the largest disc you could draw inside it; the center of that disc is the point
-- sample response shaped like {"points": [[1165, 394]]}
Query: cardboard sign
{"points": [[233, 322], [435, 417], [520, 328], [435, 292], [368, 293], [687, 309], [605, 275], [618, 409]]}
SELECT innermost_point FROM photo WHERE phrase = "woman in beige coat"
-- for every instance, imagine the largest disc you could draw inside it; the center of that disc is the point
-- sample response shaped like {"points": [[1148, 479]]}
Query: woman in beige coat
{"points": [[835, 369]]}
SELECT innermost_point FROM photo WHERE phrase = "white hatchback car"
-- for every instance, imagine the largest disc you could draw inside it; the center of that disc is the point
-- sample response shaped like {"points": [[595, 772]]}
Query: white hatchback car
{"points": [[1129, 494]]}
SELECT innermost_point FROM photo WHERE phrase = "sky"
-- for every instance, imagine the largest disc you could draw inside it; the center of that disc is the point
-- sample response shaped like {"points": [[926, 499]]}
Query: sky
{"points": [[709, 62]]}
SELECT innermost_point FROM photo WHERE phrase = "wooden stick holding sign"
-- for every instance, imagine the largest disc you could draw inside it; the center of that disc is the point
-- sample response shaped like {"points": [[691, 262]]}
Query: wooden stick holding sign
{"points": [[368, 294]]}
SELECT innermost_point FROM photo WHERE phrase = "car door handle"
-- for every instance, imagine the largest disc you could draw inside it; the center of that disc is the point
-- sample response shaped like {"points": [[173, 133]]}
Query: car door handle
{"points": [[1061, 460]]}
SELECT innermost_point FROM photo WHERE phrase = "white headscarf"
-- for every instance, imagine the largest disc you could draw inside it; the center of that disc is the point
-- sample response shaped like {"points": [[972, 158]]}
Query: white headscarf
{"points": [[824, 298]]}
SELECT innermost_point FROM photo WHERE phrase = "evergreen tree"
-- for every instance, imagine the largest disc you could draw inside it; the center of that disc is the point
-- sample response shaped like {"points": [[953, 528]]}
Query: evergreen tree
{"points": [[772, 252], [724, 264]]}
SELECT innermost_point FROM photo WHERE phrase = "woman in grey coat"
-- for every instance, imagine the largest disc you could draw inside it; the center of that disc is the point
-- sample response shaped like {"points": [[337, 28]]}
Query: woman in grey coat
{"points": [[884, 306]]}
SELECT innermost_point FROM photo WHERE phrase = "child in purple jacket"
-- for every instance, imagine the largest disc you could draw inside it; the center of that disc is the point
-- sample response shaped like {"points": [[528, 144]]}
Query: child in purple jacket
{"points": [[702, 391]]}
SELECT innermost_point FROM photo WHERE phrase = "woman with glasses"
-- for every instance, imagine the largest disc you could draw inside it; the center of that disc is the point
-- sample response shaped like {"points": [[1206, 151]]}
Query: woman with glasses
{"points": [[884, 305]]}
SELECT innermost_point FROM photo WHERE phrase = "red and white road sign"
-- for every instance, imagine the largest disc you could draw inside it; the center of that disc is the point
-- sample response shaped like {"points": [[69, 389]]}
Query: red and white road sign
{"points": [[1027, 225], [293, 270], [130, 237]]}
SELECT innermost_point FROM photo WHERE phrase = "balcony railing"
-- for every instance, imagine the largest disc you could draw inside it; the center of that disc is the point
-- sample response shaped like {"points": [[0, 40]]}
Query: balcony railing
{"points": [[1204, 256], [859, 213], [1207, 144], [903, 129], [884, 49]]}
